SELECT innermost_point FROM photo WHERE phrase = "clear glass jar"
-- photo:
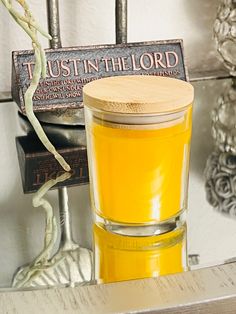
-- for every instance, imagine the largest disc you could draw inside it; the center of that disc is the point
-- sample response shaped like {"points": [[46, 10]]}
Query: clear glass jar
{"points": [[138, 137]]}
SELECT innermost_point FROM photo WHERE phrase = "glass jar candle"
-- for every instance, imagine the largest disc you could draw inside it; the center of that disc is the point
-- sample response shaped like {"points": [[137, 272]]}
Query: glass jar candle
{"points": [[138, 140], [119, 257]]}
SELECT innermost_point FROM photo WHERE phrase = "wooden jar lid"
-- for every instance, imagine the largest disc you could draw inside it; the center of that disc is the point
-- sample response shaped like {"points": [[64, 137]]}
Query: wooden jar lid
{"points": [[138, 94]]}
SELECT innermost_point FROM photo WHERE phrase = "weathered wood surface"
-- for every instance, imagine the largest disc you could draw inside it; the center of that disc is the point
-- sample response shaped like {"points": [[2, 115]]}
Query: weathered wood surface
{"points": [[210, 290]]}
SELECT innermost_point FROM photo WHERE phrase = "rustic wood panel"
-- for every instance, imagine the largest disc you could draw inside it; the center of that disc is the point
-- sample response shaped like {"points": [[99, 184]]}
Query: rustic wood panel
{"points": [[210, 290]]}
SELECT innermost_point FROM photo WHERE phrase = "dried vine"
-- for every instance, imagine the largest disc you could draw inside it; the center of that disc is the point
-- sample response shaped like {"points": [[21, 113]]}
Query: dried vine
{"points": [[28, 273], [28, 23]]}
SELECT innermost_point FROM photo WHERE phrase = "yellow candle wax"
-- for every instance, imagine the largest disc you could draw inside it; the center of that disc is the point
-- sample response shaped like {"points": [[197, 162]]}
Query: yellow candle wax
{"points": [[120, 257], [139, 174]]}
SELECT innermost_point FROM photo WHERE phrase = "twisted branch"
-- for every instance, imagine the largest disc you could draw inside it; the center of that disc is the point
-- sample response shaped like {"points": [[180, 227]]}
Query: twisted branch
{"points": [[42, 262], [27, 22]]}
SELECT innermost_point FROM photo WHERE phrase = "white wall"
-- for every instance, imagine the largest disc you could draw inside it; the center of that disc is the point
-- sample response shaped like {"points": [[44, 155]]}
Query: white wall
{"points": [[86, 22]]}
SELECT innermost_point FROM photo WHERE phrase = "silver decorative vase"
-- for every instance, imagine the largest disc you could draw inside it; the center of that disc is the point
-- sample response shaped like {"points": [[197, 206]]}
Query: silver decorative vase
{"points": [[224, 121], [220, 170], [220, 174], [225, 34]]}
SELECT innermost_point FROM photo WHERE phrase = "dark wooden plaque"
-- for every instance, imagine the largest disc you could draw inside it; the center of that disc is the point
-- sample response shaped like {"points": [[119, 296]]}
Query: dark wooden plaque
{"points": [[37, 165], [69, 69]]}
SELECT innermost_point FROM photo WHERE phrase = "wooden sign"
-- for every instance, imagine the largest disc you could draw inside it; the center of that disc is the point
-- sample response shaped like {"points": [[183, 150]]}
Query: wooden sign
{"points": [[69, 69], [37, 165]]}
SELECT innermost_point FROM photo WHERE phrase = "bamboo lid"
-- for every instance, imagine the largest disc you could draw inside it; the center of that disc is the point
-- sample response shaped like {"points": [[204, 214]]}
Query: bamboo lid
{"points": [[138, 94]]}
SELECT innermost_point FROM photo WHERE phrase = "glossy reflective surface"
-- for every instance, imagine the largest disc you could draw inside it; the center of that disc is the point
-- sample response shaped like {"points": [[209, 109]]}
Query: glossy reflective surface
{"points": [[119, 257], [211, 224]]}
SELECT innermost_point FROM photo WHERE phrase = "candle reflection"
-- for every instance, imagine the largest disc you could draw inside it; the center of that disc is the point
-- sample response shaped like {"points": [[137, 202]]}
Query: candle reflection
{"points": [[119, 257]]}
